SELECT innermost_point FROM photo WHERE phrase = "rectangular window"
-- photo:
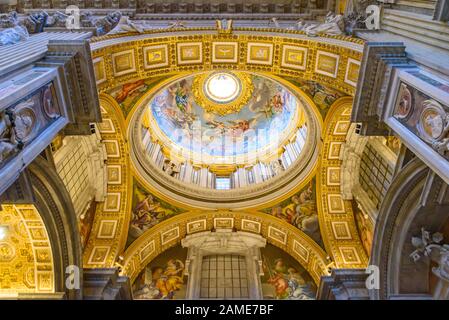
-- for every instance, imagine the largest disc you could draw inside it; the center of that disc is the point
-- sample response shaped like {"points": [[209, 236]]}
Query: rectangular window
{"points": [[375, 174], [222, 183], [224, 277]]}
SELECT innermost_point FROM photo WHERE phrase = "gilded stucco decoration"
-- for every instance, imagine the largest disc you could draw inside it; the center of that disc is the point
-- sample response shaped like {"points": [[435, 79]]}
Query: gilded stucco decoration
{"points": [[168, 233], [243, 91], [26, 258], [110, 226], [336, 217], [330, 61]]}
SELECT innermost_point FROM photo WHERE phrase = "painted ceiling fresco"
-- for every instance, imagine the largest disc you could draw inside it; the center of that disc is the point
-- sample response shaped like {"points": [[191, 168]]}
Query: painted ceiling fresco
{"points": [[147, 211], [300, 211], [322, 96], [129, 93], [284, 278], [163, 278], [268, 112]]}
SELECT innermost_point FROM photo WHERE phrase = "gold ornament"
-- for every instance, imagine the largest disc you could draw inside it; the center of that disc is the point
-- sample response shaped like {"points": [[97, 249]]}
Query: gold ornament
{"points": [[232, 103]]}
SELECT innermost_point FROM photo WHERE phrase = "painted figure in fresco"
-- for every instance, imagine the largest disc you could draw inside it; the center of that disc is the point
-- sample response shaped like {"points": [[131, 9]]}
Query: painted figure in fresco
{"points": [[287, 282], [146, 214], [130, 89], [322, 96], [170, 167], [262, 104], [301, 212], [181, 118], [277, 167], [181, 94], [164, 282], [277, 103]]}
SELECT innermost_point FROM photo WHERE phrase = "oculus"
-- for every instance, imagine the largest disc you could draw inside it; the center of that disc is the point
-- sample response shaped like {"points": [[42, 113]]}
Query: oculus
{"points": [[222, 92], [222, 87]]}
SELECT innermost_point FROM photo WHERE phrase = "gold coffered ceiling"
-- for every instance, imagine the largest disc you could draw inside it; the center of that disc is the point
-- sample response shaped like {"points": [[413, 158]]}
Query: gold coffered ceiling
{"points": [[330, 60], [26, 259]]}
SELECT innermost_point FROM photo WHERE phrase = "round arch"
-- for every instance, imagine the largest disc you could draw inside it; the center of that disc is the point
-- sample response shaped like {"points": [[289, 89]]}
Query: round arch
{"points": [[171, 231], [335, 215], [410, 204], [54, 205]]}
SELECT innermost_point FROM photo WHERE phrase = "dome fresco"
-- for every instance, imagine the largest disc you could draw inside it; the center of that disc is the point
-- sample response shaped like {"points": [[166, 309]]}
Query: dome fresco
{"points": [[266, 117]]}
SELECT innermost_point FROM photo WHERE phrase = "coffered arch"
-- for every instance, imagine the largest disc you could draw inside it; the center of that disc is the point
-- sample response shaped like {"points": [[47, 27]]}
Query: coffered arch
{"points": [[110, 226], [335, 214], [170, 232]]}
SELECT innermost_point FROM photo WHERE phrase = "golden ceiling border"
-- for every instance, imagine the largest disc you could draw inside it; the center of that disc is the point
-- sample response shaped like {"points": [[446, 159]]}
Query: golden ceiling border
{"points": [[170, 232], [105, 50], [101, 250], [336, 218]]}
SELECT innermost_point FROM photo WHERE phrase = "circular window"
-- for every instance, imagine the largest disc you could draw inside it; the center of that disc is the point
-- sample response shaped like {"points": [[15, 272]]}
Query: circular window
{"points": [[222, 87]]}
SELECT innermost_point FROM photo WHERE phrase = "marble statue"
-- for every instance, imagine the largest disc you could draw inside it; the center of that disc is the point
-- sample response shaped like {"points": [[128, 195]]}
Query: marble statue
{"points": [[333, 25], [36, 22], [355, 15], [13, 35], [442, 145], [9, 20], [224, 26], [176, 25], [125, 25], [274, 21], [58, 19], [429, 245], [108, 23]]}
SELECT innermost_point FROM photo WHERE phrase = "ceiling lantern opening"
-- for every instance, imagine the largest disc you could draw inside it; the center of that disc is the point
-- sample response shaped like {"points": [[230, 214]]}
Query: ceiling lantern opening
{"points": [[222, 87]]}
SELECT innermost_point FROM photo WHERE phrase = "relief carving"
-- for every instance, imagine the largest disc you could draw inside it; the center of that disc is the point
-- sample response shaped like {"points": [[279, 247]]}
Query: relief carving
{"points": [[8, 142], [424, 116], [430, 246]]}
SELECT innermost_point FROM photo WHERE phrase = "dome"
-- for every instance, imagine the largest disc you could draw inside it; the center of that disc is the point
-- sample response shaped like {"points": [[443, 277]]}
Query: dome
{"points": [[224, 136], [223, 117]]}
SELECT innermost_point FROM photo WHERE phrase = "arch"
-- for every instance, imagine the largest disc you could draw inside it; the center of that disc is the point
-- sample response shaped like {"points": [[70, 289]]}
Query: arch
{"points": [[170, 232], [58, 215], [330, 60], [404, 211], [110, 227], [335, 215]]}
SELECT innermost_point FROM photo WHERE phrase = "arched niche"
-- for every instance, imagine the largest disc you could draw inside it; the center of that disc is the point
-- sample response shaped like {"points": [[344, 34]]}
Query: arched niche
{"points": [[43, 216], [55, 206], [416, 199], [170, 232]]}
